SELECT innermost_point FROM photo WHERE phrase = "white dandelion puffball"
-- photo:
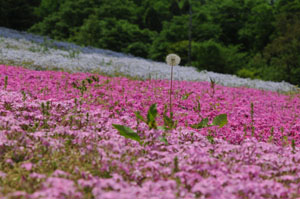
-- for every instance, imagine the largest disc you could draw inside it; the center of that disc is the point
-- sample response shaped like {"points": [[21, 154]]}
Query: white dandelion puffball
{"points": [[172, 59]]}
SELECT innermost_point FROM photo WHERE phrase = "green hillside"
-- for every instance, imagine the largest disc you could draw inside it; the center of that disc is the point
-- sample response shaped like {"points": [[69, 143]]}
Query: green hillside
{"points": [[249, 38]]}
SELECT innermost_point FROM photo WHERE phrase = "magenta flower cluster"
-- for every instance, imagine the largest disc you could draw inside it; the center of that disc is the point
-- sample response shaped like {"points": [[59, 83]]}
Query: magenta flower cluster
{"points": [[255, 155]]}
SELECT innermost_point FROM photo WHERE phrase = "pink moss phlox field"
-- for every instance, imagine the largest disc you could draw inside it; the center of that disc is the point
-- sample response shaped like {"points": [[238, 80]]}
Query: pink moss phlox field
{"points": [[57, 139]]}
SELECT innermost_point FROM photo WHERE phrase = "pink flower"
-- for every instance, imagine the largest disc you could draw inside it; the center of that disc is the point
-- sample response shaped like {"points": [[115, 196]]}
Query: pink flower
{"points": [[28, 166], [2, 174], [37, 175]]}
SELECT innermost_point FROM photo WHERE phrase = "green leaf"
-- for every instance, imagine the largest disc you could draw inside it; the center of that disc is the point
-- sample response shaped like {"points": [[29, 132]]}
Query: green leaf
{"points": [[127, 132], [89, 80], [169, 123], [210, 138], [220, 120], [202, 124], [161, 128], [293, 146], [184, 97], [285, 140], [163, 139], [270, 140], [151, 116], [96, 79], [139, 116]]}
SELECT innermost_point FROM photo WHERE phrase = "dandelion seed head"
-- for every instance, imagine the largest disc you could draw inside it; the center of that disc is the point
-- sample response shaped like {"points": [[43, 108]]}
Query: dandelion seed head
{"points": [[173, 59]]}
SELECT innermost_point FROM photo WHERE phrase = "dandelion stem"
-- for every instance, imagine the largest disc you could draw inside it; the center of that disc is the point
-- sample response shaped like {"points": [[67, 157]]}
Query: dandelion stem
{"points": [[171, 91], [5, 82], [172, 60]]}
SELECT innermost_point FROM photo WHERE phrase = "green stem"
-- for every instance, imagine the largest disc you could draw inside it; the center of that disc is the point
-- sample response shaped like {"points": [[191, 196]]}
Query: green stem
{"points": [[5, 82], [171, 92]]}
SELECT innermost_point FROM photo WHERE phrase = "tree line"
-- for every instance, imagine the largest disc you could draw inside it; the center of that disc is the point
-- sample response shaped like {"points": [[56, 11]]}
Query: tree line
{"points": [[249, 38]]}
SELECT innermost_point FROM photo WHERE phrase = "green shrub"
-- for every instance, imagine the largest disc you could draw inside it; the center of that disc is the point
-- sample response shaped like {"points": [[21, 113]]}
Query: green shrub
{"points": [[251, 73], [213, 56]]}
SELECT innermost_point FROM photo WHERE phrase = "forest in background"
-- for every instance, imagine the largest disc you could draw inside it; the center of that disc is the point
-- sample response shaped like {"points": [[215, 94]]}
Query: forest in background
{"points": [[249, 38]]}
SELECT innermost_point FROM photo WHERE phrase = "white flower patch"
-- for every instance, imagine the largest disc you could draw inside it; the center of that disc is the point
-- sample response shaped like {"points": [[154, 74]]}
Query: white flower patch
{"points": [[36, 52]]}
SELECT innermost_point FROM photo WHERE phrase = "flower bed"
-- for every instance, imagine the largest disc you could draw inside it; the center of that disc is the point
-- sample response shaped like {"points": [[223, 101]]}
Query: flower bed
{"points": [[57, 139]]}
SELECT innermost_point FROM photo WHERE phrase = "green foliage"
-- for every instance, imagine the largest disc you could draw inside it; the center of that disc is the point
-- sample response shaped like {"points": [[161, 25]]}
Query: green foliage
{"points": [[18, 14], [293, 145], [151, 19], [214, 56], [154, 13], [179, 48], [151, 117], [127, 132], [210, 137], [138, 49], [252, 119], [202, 124], [251, 73], [46, 113], [173, 31], [285, 141], [117, 35], [23, 96], [176, 165], [64, 18], [212, 86], [249, 38], [164, 140], [203, 25], [282, 53], [169, 123], [5, 82], [174, 8], [219, 120], [118, 9], [45, 109], [8, 106], [82, 88], [186, 95], [258, 26], [231, 16], [279, 60], [208, 56], [151, 122], [139, 116], [47, 7]]}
